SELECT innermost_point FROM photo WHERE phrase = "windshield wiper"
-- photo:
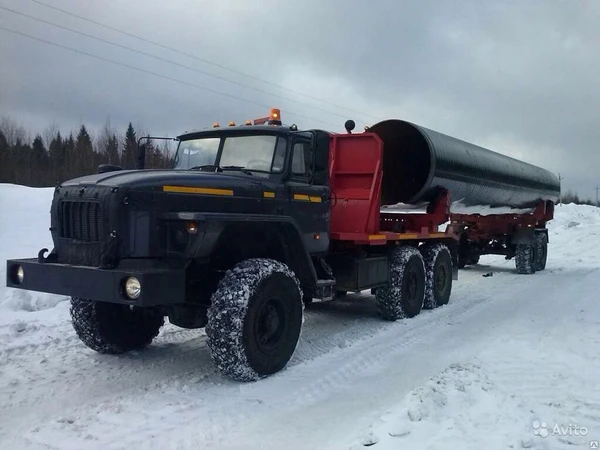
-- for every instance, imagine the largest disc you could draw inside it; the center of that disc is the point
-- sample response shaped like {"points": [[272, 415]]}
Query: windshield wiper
{"points": [[240, 168], [205, 166]]}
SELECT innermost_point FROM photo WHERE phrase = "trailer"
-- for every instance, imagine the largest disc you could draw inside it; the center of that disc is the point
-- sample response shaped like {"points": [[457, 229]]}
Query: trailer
{"points": [[499, 205], [254, 222]]}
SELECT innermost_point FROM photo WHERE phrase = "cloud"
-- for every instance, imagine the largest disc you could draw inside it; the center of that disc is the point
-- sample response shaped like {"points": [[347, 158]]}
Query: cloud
{"points": [[517, 77]]}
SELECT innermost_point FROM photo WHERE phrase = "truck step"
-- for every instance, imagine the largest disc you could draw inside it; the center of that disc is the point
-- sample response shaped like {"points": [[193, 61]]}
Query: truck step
{"points": [[325, 290]]}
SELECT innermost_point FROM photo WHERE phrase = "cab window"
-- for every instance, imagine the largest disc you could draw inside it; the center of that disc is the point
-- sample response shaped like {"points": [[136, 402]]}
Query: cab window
{"points": [[301, 160], [279, 156]]}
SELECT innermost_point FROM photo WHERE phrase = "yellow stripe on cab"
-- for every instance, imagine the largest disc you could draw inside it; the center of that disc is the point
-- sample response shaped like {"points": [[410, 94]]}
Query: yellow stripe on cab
{"points": [[197, 190], [307, 198]]}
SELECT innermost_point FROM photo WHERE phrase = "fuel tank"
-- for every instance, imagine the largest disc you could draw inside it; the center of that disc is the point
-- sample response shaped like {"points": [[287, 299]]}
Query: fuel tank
{"points": [[416, 161]]}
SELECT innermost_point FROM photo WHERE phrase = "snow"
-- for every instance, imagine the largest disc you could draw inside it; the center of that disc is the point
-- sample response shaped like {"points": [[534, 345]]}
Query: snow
{"points": [[507, 353], [24, 223], [456, 207]]}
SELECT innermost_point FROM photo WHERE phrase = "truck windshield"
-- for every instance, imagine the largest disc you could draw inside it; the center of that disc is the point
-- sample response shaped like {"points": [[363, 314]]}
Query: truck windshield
{"points": [[260, 153]]}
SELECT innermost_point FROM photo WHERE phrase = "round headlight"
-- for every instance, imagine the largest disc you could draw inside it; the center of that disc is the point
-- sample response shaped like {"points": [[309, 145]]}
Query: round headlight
{"points": [[20, 274], [133, 287]]}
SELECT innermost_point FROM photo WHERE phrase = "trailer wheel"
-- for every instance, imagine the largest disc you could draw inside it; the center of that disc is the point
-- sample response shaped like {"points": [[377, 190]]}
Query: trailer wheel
{"points": [[403, 296], [525, 260], [541, 250], [112, 328], [438, 269], [255, 319]]}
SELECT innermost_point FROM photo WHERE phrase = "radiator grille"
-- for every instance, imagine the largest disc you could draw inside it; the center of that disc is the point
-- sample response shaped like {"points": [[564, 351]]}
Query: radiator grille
{"points": [[81, 220]]}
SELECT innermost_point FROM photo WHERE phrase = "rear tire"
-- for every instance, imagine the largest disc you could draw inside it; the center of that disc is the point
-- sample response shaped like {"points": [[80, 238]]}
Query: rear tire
{"points": [[403, 296], [113, 328], [255, 319], [541, 250], [438, 269], [525, 260]]}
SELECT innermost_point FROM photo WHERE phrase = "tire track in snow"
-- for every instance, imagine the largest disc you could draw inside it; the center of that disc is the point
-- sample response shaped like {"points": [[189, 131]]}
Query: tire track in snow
{"points": [[66, 367], [61, 337], [535, 368]]}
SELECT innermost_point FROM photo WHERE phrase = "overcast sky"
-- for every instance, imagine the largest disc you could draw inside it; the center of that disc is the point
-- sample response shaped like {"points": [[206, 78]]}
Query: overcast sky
{"points": [[518, 77]]}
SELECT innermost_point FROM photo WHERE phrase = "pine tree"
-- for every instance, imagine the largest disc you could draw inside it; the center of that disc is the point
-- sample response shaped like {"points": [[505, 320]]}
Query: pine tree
{"points": [[22, 155], [5, 160], [84, 142], [39, 162], [130, 148], [69, 169], [85, 157], [57, 158]]}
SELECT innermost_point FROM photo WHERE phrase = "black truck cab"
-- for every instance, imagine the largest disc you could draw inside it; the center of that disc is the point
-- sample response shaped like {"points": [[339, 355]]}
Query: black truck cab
{"points": [[231, 235]]}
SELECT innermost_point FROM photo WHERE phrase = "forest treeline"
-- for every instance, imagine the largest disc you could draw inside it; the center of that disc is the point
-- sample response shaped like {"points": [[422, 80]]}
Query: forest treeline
{"points": [[572, 197], [49, 158]]}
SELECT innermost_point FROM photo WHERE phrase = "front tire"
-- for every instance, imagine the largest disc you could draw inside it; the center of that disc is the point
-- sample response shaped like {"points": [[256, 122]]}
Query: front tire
{"points": [[404, 295], [113, 328], [255, 319]]}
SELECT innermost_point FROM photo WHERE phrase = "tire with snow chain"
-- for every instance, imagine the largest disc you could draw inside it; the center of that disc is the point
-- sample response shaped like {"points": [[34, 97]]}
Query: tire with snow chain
{"points": [[113, 328], [525, 260], [541, 250], [438, 270], [255, 319], [403, 296]]}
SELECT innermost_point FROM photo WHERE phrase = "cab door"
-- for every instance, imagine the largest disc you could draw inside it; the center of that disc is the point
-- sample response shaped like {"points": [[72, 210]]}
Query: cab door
{"points": [[276, 197], [309, 202]]}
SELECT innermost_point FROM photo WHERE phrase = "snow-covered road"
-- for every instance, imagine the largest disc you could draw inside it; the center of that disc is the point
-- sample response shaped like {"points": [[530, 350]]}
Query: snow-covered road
{"points": [[507, 352]]}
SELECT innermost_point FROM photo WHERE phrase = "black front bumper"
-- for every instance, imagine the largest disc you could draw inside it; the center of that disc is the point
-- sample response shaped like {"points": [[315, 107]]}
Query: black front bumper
{"points": [[162, 283]]}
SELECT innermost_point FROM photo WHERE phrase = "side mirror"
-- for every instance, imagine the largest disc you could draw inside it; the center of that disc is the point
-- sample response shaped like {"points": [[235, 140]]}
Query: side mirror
{"points": [[103, 168], [141, 157], [320, 146], [313, 157]]}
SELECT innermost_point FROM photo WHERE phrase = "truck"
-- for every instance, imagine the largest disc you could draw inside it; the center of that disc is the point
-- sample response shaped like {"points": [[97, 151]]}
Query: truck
{"points": [[254, 222]]}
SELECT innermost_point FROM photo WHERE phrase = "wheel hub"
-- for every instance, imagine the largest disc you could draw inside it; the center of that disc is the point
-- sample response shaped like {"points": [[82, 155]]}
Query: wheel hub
{"points": [[440, 278], [411, 285], [270, 325]]}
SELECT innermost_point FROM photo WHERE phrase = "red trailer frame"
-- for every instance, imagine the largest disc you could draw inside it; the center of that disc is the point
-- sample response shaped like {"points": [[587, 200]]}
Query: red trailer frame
{"points": [[355, 183], [355, 180]]}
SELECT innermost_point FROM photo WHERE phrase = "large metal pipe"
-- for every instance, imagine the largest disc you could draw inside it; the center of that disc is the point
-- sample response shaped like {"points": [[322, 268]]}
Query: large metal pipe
{"points": [[417, 160]]}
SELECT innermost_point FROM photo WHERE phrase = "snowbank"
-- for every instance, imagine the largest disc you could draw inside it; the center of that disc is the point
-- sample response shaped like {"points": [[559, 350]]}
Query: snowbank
{"points": [[534, 385], [24, 230], [456, 207]]}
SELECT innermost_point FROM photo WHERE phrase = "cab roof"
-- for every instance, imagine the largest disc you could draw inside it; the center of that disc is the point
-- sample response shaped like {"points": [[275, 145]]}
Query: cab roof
{"points": [[240, 129]]}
